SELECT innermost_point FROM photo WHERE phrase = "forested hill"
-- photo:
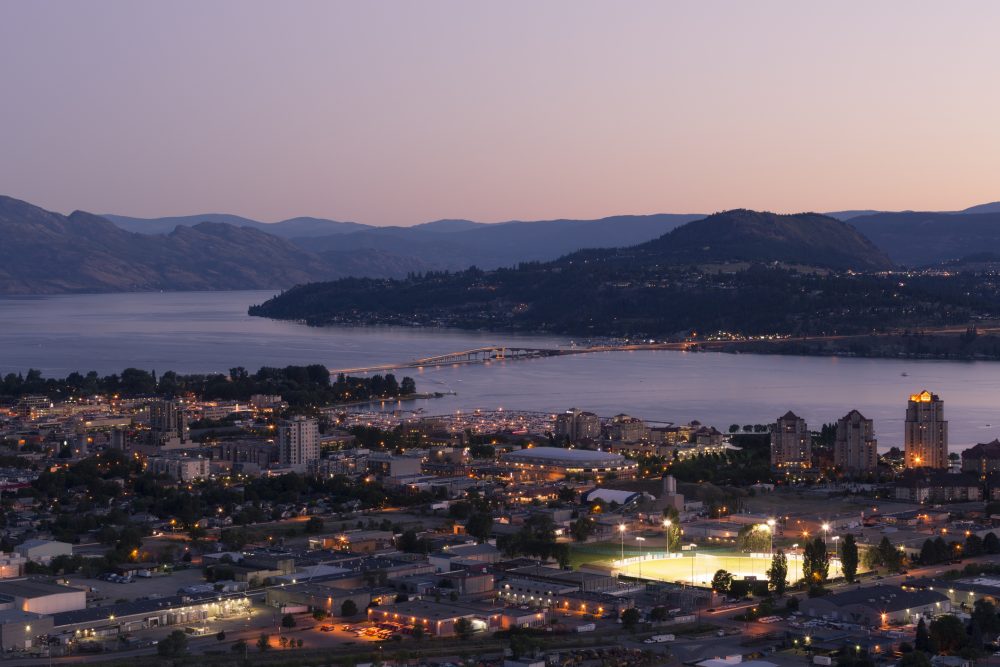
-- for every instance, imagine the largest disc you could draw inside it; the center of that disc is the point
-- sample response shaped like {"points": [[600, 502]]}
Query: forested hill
{"points": [[705, 276]]}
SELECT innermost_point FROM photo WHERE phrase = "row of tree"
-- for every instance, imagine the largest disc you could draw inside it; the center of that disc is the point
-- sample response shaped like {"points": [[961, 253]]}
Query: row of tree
{"points": [[298, 385]]}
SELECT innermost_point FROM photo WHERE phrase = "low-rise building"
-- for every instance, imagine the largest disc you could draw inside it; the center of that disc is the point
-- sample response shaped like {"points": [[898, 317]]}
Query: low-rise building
{"points": [[40, 597], [179, 467], [43, 551], [877, 606], [938, 487]]}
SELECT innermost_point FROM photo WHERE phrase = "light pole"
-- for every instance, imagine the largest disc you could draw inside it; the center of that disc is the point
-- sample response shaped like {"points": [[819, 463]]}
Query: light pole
{"points": [[666, 533], [640, 540], [621, 529], [798, 560], [826, 533], [770, 531]]}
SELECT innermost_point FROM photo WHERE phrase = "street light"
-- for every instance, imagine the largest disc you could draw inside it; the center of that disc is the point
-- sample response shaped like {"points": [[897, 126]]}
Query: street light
{"points": [[640, 540], [770, 531], [621, 529], [836, 546], [666, 532], [826, 532], [798, 560]]}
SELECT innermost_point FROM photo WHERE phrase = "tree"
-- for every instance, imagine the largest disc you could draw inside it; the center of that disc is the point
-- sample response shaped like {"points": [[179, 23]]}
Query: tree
{"points": [[418, 631], [754, 538], [984, 616], [631, 618], [974, 545], [582, 528], [815, 562], [479, 525], [928, 555], [263, 642], [319, 614], [288, 621], [174, 645], [891, 557], [349, 608], [522, 645], [922, 641], [991, 544], [463, 628], [915, 659], [673, 531], [722, 581], [849, 557], [948, 634], [314, 525], [777, 574]]}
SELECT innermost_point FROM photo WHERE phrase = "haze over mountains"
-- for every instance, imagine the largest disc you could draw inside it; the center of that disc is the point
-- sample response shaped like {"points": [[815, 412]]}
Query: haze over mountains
{"points": [[46, 252]]}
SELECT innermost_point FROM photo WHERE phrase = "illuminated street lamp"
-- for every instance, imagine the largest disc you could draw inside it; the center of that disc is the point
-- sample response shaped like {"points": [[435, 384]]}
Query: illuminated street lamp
{"points": [[640, 540], [770, 531], [621, 529], [826, 533], [666, 532], [836, 546]]}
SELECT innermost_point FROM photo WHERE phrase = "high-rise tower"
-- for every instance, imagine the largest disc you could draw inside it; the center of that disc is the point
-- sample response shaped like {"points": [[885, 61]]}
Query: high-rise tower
{"points": [[926, 432]]}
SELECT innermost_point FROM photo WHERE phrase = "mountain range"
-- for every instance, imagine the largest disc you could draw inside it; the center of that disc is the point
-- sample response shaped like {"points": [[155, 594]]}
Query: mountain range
{"points": [[46, 252], [739, 271]]}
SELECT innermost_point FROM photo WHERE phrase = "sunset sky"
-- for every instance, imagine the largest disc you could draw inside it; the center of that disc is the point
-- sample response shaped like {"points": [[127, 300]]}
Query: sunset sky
{"points": [[403, 112]]}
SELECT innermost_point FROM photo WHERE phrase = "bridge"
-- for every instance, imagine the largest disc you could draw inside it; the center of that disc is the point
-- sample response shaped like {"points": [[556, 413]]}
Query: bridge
{"points": [[477, 355]]}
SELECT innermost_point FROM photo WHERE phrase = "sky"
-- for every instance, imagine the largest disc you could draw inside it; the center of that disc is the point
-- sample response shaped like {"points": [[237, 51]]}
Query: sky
{"points": [[402, 112]]}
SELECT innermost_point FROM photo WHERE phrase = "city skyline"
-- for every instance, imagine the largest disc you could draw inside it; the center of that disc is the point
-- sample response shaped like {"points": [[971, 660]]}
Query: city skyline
{"points": [[398, 114]]}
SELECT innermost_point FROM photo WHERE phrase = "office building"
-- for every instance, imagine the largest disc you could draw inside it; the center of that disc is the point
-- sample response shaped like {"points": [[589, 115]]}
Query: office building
{"points": [[855, 448], [926, 432]]}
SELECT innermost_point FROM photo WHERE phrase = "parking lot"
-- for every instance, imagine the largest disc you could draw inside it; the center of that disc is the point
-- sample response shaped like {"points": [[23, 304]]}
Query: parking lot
{"points": [[161, 585]]}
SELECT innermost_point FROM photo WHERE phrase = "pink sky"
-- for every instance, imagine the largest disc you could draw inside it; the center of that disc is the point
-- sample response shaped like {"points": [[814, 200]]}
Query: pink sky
{"points": [[402, 112]]}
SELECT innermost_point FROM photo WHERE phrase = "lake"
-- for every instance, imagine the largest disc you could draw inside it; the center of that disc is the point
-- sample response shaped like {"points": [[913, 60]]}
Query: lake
{"points": [[210, 331]]}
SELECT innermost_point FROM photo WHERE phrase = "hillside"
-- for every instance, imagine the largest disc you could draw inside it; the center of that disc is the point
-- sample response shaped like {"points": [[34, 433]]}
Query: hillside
{"points": [[726, 272], [920, 239], [741, 235], [44, 252]]}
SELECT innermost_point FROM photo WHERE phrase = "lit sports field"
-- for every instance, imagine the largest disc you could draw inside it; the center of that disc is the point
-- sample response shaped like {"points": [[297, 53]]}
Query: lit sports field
{"points": [[700, 568]]}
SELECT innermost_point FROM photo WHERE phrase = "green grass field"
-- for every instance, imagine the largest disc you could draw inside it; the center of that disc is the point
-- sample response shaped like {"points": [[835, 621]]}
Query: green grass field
{"points": [[698, 567]]}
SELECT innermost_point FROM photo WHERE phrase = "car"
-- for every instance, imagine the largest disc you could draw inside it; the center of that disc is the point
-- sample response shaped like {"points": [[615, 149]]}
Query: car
{"points": [[326, 628], [347, 628]]}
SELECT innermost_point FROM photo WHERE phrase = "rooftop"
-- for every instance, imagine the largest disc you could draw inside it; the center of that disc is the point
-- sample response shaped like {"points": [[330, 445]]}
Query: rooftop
{"points": [[886, 598], [566, 456]]}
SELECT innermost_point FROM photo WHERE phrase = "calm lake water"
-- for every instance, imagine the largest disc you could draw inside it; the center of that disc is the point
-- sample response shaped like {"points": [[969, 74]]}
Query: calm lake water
{"points": [[210, 331]]}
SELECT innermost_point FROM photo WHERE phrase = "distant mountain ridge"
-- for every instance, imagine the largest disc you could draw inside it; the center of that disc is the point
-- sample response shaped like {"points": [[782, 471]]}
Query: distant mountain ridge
{"points": [[287, 229], [48, 252], [754, 236], [913, 238], [44, 252]]}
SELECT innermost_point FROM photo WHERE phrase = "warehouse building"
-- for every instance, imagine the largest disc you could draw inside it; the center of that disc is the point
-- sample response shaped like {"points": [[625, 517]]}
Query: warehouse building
{"points": [[877, 606], [40, 597]]}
